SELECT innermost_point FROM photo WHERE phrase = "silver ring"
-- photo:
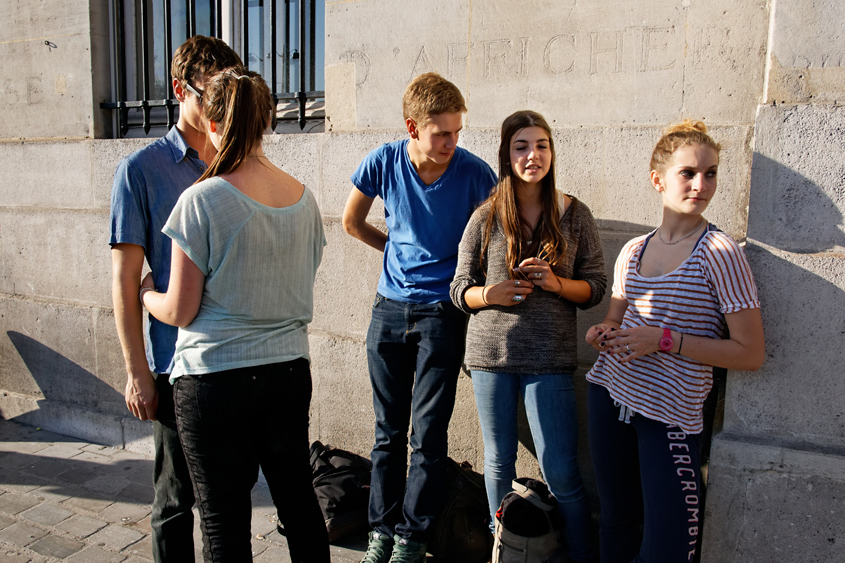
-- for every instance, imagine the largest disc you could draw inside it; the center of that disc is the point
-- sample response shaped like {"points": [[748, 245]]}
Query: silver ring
{"points": [[517, 298], [516, 282], [628, 348]]}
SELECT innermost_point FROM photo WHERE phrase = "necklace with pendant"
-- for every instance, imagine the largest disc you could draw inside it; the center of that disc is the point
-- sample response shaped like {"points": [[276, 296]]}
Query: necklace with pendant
{"points": [[686, 236]]}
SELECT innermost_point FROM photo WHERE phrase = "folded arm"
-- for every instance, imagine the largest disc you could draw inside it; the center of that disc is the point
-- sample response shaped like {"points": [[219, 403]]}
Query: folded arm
{"points": [[744, 349]]}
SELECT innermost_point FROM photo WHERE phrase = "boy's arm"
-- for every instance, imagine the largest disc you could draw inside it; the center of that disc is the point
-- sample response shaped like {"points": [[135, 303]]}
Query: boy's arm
{"points": [[355, 220], [141, 394]]}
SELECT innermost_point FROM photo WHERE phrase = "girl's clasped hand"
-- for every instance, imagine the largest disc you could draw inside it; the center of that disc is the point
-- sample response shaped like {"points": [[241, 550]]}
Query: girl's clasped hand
{"points": [[628, 343], [531, 273]]}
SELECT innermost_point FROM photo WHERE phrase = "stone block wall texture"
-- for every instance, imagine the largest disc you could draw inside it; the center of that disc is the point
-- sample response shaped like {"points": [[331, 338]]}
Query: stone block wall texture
{"points": [[766, 77], [777, 474], [49, 49]]}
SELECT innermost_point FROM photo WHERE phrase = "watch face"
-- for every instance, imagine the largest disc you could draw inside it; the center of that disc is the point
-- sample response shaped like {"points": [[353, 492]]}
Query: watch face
{"points": [[666, 342]]}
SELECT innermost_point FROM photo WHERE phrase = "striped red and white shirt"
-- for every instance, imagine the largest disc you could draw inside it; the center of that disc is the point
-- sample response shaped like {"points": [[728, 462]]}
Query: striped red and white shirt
{"points": [[693, 299]]}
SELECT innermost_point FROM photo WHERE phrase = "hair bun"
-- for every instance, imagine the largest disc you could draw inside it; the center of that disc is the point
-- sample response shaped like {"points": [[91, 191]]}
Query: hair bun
{"points": [[686, 126]]}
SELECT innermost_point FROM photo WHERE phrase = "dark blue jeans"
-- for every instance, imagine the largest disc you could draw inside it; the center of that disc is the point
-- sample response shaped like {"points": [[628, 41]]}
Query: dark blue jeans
{"points": [[172, 520], [231, 423], [414, 352], [648, 474]]}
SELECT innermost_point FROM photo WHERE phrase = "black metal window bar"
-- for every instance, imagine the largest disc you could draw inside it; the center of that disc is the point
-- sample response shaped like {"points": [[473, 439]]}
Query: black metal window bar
{"points": [[145, 33]]}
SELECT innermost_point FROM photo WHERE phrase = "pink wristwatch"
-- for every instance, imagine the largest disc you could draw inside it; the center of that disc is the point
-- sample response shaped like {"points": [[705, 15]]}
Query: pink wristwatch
{"points": [[666, 342]]}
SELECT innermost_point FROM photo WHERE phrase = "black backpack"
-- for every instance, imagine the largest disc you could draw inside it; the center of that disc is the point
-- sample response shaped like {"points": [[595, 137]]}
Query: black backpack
{"points": [[341, 482], [461, 532]]}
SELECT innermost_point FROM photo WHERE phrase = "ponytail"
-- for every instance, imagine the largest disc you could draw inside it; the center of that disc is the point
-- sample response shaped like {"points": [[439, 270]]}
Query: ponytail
{"points": [[239, 102]]}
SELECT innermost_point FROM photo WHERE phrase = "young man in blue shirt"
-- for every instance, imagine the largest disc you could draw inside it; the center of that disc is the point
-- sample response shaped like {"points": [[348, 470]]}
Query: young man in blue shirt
{"points": [[147, 185], [415, 343]]}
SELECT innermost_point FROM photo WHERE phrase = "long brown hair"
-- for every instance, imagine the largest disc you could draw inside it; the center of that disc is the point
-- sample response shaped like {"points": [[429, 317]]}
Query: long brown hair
{"points": [[547, 240], [239, 102]]}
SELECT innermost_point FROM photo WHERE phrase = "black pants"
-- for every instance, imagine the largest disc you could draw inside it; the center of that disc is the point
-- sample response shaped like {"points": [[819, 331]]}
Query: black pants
{"points": [[648, 474], [231, 423]]}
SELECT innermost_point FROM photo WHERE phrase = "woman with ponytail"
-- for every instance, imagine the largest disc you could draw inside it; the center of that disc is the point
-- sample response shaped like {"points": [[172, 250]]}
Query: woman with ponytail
{"points": [[683, 300], [247, 240], [529, 257]]}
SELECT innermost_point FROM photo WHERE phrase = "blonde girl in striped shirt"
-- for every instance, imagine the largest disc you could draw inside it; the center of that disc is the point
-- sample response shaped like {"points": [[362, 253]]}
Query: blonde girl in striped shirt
{"points": [[684, 300]]}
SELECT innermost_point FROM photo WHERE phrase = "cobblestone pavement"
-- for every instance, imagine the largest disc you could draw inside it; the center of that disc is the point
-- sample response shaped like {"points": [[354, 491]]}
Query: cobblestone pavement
{"points": [[62, 499]]}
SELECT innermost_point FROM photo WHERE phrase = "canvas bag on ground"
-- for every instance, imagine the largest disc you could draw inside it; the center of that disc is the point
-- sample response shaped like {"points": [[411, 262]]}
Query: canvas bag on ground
{"points": [[528, 525]]}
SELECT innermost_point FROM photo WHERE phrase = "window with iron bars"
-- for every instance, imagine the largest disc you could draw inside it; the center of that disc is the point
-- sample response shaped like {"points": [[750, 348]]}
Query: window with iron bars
{"points": [[283, 40]]}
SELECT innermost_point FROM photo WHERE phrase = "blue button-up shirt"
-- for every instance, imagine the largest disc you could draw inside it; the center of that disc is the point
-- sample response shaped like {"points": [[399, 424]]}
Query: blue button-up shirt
{"points": [[146, 186]]}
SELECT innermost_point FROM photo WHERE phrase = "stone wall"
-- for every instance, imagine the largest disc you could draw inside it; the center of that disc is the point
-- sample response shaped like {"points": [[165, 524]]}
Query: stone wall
{"points": [[768, 78], [49, 49], [777, 475]]}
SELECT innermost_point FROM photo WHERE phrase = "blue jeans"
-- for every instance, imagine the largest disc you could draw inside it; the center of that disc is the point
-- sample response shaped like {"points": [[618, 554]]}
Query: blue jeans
{"points": [[648, 477], [171, 520], [414, 353], [550, 405], [231, 423]]}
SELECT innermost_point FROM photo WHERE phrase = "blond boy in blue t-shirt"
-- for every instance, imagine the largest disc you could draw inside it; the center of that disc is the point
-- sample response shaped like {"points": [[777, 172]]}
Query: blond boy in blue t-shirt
{"points": [[415, 342]]}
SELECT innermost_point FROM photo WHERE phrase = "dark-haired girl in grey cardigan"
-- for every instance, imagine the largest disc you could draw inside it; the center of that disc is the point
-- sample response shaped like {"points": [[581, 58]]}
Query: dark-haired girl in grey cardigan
{"points": [[529, 256]]}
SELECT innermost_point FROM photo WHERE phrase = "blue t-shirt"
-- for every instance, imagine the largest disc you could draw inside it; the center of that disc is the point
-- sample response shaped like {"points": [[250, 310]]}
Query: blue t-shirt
{"points": [[425, 222], [147, 184]]}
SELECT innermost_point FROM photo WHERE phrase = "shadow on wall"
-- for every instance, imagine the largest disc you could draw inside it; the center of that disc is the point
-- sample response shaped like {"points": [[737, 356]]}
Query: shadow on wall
{"points": [[792, 213], [64, 381], [796, 250]]}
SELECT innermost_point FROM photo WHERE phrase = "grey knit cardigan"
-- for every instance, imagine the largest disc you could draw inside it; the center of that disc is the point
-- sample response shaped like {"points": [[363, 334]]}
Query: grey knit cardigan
{"points": [[539, 335]]}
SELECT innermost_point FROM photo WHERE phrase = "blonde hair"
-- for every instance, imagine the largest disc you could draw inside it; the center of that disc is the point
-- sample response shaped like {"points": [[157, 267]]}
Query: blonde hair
{"points": [[430, 94], [676, 136]]}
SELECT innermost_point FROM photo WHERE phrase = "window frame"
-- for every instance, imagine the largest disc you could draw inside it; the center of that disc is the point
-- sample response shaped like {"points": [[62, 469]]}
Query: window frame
{"points": [[136, 108]]}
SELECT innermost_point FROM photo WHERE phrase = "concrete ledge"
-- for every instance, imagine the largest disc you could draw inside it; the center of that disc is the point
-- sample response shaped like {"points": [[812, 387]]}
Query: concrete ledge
{"points": [[731, 451], [769, 501], [73, 420], [62, 353]]}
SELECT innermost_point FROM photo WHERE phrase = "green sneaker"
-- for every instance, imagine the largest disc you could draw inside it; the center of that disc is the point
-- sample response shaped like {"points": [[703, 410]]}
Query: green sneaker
{"points": [[407, 551], [379, 548]]}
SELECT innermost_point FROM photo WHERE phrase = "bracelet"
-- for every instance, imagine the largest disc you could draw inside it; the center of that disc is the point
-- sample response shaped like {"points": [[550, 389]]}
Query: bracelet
{"points": [[141, 293], [681, 344], [483, 298], [560, 280]]}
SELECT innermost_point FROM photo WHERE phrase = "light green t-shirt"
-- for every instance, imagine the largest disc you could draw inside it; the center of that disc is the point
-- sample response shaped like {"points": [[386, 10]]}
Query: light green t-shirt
{"points": [[259, 264]]}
